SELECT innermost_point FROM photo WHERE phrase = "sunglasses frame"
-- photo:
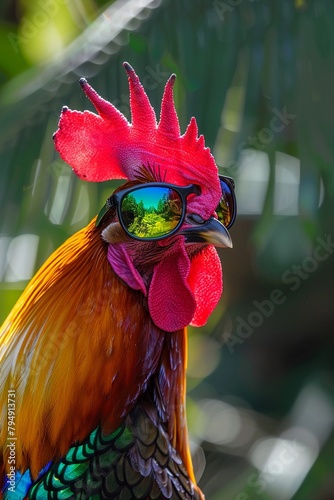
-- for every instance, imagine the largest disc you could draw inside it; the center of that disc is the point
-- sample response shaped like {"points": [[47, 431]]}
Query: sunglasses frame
{"points": [[230, 183], [115, 201]]}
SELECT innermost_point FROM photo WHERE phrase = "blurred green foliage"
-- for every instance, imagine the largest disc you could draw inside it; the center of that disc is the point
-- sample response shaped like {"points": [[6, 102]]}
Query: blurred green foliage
{"points": [[258, 76]]}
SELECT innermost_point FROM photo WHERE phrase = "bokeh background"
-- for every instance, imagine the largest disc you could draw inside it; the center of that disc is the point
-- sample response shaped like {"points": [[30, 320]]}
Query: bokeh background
{"points": [[259, 77]]}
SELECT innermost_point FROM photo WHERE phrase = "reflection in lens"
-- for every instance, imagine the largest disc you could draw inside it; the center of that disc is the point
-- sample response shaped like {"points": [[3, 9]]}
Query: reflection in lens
{"points": [[225, 207], [150, 212]]}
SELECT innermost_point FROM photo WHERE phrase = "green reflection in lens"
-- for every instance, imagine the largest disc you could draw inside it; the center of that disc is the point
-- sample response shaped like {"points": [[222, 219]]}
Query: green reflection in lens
{"points": [[150, 212], [225, 207]]}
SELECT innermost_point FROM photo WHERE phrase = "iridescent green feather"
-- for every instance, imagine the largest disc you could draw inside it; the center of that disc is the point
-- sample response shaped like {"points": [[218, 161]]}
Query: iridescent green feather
{"points": [[136, 461]]}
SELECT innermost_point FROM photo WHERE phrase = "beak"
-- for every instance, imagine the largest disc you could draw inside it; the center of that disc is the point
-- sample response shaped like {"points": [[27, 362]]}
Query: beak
{"points": [[211, 232]]}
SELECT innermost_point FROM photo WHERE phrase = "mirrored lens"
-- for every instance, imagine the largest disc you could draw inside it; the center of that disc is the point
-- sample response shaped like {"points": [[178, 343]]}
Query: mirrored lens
{"points": [[151, 212], [226, 206]]}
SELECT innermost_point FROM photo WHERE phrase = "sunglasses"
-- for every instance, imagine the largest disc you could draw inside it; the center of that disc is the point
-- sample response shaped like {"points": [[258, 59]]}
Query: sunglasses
{"points": [[156, 210]]}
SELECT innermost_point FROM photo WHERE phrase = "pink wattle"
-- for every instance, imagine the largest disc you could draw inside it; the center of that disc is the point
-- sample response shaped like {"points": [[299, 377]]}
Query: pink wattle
{"points": [[206, 282], [181, 291], [122, 264], [170, 300]]}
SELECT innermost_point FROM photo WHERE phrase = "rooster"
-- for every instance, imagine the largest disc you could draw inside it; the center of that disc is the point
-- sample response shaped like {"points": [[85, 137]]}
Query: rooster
{"points": [[93, 355]]}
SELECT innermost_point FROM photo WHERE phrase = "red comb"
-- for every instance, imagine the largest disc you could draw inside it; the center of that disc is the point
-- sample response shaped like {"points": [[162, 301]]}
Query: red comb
{"points": [[106, 146]]}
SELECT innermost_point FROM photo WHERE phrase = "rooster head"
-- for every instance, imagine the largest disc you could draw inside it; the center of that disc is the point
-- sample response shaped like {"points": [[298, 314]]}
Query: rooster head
{"points": [[180, 274]]}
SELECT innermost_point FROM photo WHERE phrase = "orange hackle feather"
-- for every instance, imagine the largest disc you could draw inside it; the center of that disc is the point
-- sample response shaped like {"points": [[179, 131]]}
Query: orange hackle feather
{"points": [[78, 349]]}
